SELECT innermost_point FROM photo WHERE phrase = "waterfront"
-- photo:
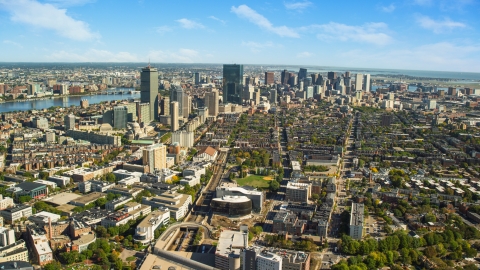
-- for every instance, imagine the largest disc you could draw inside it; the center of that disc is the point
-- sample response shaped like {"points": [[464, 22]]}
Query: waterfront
{"points": [[44, 103]]}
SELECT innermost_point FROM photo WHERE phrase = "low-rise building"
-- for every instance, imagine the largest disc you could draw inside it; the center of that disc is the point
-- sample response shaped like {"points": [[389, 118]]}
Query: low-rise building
{"points": [[42, 253], [5, 202], [88, 199], [145, 231], [16, 251], [61, 181], [232, 189], [177, 203], [116, 219], [298, 192], [114, 204], [12, 214]]}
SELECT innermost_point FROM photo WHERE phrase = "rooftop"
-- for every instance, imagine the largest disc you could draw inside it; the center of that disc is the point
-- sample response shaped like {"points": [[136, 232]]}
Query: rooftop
{"points": [[356, 216], [231, 242], [62, 198]]}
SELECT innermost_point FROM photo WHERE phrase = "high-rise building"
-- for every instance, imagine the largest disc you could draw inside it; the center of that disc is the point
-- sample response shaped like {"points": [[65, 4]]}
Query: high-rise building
{"points": [[314, 78], [248, 92], [356, 220], [197, 78], [358, 81], [232, 83], [84, 103], [165, 106], [186, 105], [273, 96], [366, 83], [211, 101], [269, 78], [183, 138], [452, 91], [120, 117], [69, 121], [302, 74], [332, 75], [143, 112], [155, 156], [284, 77], [293, 79], [131, 112], [174, 115], [149, 90], [7, 236]]}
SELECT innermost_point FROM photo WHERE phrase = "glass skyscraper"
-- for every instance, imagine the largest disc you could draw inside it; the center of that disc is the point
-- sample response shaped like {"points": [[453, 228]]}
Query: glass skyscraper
{"points": [[232, 83], [149, 90]]}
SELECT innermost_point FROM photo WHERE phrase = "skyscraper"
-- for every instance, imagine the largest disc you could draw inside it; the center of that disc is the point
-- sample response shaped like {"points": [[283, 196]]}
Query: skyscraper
{"points": [[174, 115], [149, 90], [284, 77], [69, 121], [155, 156], [302, 74], [269, 78], [358, 81], [366, 83], [197, 78], [332, 75], [232, 83], [211, 101], [120, 117]]}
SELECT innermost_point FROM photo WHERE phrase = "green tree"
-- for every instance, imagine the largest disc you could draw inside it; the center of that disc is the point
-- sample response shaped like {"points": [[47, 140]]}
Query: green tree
{"points": [[273, 185], [54, 265], [110, 177]]}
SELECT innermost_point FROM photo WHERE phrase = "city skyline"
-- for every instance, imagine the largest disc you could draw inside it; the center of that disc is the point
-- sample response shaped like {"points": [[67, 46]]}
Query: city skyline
{"points": [[416, 34]]}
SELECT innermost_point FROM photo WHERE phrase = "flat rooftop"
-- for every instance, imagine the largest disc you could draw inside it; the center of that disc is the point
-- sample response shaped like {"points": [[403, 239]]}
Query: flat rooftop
{"points": [[356, 216], [62, 198], [89, 198], [231, 241]]}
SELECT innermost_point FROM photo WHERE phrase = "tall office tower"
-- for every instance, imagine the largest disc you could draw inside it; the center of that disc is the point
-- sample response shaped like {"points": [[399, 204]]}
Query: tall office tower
{"points": [[131, 112], [285, 76], [84, 103], [292, 79], [332, 75], [347, 74], [232, 83], [347, 81], [308, 92], [273, 96], [197, 78], [302, 74], [358, 81], [319, 80], [211, 101], [120, 117], [269, 78], [314, 78], [165, 106], [174, 115], [149, 90], [256, 96], [366, 83], [107, 117], [69, 121], [7, 236], [247, 80], [143, 112], [452, 91], [155, 156], [248, 92], [186, 105], [180, 98]]}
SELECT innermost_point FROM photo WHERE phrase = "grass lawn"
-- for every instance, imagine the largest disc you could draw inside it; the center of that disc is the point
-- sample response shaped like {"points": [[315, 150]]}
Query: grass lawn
{"points": [[257, 181]]}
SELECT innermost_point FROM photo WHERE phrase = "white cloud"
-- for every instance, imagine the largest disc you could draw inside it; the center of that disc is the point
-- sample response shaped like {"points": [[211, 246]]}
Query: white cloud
{"points": [[47, 16], [69, 3], [163, 29], [92, 55], [180, 56], [438, 26], [189, 24], [304, 55], [299, 6], [12, 43], [216, 19], [256, 46], [389, 8], [252, 16], [373, 33], [423, 2]]}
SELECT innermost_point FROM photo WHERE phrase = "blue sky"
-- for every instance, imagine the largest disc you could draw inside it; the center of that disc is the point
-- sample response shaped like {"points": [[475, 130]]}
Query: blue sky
{"points": [[403, 34]]}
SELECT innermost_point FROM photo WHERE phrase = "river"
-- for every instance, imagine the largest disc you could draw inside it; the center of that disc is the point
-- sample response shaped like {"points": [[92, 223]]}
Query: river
{"points": [[67, 101]]}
